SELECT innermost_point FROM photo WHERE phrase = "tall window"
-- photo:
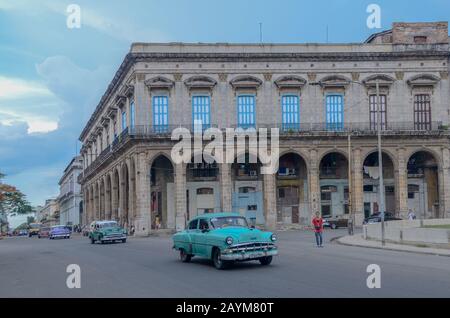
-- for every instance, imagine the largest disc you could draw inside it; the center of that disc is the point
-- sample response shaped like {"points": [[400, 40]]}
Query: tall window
{"points": [[115, 129], [290, 112], [422, 112], [373, 112], [124, 120], [161, 113], [201, 110], [246, 111], [334, 112], [132, 114]]}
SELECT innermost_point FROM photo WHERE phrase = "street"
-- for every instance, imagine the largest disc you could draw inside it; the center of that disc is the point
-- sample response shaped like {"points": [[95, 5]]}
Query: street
{"points": [[147, 267]]}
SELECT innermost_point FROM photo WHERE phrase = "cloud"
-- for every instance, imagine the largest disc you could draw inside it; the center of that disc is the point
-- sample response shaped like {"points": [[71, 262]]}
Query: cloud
{"points": [[16, 88]]}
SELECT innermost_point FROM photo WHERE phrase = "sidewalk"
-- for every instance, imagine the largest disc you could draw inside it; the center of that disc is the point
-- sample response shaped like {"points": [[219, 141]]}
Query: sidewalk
{"points": [[357, 240]]}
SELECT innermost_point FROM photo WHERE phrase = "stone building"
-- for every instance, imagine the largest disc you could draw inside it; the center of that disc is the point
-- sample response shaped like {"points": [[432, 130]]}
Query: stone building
{"points": [[70, 196], [49, 214], [322, 98]]}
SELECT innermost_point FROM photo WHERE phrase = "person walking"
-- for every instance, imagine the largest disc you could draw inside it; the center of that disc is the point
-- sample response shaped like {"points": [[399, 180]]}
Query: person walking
{"points": [[317, 223], [411, 215]]}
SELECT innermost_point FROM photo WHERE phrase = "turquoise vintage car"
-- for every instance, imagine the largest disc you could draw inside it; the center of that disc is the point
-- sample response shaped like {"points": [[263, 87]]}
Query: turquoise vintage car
{"points": [[224, 238], [107, 231]]}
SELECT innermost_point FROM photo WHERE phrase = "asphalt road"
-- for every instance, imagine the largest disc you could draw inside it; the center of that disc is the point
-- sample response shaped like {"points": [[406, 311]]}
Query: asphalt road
{"points": [[147, 267]]}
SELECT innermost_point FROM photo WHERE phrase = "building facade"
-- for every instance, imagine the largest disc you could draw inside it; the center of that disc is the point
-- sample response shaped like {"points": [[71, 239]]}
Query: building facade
{"points": [[321, 97], [70, 197], [49, 213]]}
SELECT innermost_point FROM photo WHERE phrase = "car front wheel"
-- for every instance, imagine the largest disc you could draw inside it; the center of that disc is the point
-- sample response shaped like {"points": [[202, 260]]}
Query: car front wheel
{"points": [[124, 240], [218, 262], [92, 240], [265, 260], [185, 257]]}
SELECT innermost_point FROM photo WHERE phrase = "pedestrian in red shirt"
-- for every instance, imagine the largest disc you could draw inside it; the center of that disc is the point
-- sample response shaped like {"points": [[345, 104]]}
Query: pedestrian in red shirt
{"points": [[317, 223]]}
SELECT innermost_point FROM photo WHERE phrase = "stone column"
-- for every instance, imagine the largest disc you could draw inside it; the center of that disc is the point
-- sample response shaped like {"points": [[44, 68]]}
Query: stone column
{"points": [[226, 187], [270, 201], [142, 222], [121, 202], [108, 208], [444, 184], [402, 183], [314, 183], [358, 186], [114, 198], [180, 194], [96, 201]]}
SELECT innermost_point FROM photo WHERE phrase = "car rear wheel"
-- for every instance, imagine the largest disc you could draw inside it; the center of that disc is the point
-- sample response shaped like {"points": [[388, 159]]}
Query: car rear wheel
{"points": [[265, 260], [185, 257], [218, 262]]}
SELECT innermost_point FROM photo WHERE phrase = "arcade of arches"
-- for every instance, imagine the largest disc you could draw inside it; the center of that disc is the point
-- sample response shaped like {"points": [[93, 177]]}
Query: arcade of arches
{"points": [[148, 191]]}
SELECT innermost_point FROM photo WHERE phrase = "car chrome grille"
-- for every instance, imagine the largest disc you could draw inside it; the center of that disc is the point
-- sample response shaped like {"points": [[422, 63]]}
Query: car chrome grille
{"points": [[254, 246]]}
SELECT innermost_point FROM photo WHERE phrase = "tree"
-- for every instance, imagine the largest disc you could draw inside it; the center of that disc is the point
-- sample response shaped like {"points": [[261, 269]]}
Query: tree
{"points": [[12, 200]]}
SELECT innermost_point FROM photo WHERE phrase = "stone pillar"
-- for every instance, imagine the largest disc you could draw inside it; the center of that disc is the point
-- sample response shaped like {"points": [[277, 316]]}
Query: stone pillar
{"points": [[180, 194], [114, 197], [96, 201], [142, 222], [121, 197], [314, 183], [444, 184], [108, 208], [226, 187], [270, 201], [402, 183], [358, 187]]}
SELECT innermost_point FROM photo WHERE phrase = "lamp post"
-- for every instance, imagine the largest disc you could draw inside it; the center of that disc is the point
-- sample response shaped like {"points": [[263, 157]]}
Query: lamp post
{"points": [[380, 164]]}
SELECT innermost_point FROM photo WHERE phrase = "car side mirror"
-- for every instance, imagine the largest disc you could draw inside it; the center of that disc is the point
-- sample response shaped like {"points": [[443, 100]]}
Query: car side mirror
{"points": [[205, 230]]}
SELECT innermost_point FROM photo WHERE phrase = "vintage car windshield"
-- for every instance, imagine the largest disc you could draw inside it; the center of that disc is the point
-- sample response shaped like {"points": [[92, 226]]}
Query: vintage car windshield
{"points": [[109, 224], [58, 227], [228, 221]]}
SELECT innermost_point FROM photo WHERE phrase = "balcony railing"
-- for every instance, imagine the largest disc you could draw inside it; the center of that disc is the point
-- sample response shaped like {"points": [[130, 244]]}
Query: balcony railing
{"points": [[165, 131]]}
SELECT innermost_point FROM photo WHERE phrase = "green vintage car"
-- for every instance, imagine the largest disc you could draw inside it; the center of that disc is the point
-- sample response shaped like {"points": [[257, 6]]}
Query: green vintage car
{"points": [[106, 231], [225, 238]]}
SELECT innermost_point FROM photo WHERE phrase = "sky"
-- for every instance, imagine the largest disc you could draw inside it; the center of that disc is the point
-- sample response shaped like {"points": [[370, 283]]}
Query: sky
{"points": [[52, 77]]}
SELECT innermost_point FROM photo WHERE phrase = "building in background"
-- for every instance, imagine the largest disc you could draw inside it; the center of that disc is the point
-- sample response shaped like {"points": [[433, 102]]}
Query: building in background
{"points": [[49, 214], [317, 95], [70, 197]]}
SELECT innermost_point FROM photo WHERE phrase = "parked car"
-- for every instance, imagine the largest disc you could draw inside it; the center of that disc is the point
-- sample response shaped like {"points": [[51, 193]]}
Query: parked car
{"points": [[376, 218], [224, 238], [22, 233], [107, 231], [335, 223], [44, 232], [59, 231]]}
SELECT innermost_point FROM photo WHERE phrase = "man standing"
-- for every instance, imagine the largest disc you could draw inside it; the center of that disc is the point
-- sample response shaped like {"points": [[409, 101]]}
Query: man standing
{"points": [[317, 223]]}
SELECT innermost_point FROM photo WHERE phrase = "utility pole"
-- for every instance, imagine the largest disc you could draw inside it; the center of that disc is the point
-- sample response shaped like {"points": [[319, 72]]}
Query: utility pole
{"points": [[260, 33], [380, 165]]}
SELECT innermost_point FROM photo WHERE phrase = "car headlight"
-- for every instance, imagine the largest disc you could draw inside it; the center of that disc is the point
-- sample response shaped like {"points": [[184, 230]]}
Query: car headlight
{"points": [[229, 240], [273, 237]]}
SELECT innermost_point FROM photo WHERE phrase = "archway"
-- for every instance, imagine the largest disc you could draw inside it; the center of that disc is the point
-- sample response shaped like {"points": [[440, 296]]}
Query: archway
{"points": [[162, 191], [202, 186], [423, 185], [292, 193], [247, 193], [371, 180], [334, 185]]}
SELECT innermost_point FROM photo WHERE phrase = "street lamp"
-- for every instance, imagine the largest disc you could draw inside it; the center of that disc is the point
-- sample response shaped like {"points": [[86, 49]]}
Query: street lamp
{"points": [[380, 160]]}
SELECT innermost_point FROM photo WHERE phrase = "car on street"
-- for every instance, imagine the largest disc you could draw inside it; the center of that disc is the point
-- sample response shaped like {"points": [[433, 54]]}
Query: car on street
{"points": [[376, 218], [59, 231], [107, 231], [224, 238], [44, 232], [22, 233], [34, 229], [334, 223]]}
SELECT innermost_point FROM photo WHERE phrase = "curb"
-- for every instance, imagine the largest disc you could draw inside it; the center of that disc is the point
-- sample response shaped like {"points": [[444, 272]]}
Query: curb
{"points": [[337, 239]]}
